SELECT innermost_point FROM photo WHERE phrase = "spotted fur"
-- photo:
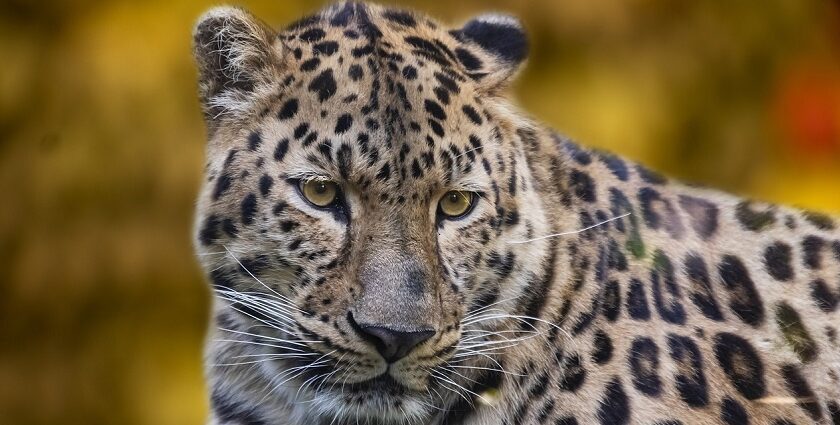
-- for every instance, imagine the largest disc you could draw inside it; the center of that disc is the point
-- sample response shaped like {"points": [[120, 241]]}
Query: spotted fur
{"points": [[676, 305]]}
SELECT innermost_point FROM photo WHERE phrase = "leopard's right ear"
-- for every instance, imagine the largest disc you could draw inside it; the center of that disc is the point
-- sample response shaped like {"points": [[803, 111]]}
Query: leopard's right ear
{"points": [[236, 55]]}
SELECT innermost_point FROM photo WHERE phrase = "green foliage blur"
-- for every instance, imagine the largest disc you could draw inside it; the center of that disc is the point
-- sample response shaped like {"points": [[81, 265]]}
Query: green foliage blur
{"points": [[103, 309]]}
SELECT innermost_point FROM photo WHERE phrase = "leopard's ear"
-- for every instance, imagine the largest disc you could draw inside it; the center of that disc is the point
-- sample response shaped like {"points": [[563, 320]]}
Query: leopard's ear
{"points": [[236, 55], [495, 46]]}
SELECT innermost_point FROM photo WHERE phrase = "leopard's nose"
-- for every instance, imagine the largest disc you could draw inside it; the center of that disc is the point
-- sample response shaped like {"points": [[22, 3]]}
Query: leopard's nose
{"points": [[392, 344]]}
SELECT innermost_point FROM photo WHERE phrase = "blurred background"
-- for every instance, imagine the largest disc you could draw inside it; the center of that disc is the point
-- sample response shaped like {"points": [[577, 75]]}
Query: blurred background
{"points": [[103, 308]]}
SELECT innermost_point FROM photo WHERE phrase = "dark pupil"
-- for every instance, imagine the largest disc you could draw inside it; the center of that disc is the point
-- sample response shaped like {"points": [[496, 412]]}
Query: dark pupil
{"points": [[320, 188], [454, 197]]}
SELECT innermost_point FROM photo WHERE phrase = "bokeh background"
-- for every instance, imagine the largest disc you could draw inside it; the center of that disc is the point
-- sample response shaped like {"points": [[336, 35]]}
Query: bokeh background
{"points": [[102, 306]]}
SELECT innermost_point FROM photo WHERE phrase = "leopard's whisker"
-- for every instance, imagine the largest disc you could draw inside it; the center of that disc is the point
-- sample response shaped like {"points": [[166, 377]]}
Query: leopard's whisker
{"points": [[571, 232], [261, 344], [492, 369], [281, 296], [269, 338]]}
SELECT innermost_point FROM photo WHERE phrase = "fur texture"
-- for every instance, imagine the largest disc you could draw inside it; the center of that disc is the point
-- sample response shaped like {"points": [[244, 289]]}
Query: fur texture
{"points": [[676, 305]]}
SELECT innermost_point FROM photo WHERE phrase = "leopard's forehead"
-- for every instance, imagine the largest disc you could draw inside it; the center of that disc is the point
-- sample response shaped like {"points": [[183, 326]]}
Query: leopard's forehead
{"points": [[374, 95]]}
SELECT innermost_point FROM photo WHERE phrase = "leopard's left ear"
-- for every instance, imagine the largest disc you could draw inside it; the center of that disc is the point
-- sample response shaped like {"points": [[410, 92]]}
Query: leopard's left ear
{"points": [[236, 54], [494, 48]]}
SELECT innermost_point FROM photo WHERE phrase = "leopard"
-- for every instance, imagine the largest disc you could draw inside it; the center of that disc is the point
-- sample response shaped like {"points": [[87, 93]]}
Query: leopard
{"points": [[389, 240]]}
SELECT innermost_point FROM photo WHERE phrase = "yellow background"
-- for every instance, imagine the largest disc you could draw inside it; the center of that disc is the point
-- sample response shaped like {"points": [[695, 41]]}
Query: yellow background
{"points": [[102, 307]]}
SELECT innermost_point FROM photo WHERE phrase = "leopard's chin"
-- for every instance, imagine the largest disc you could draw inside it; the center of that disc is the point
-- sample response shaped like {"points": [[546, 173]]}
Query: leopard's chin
{"points": [[378, 401]]}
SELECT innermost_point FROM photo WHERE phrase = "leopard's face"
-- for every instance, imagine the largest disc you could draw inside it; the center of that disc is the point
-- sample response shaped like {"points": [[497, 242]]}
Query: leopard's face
{"points": [[357, 213]]}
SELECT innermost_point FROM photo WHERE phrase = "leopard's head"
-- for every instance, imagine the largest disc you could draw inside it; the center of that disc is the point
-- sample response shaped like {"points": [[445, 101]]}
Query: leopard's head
{"points": [[364, 181]]}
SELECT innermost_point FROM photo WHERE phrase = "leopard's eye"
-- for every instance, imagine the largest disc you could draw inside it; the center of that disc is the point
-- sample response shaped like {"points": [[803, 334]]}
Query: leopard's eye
{"points": [[456, 203], [321, 193]]}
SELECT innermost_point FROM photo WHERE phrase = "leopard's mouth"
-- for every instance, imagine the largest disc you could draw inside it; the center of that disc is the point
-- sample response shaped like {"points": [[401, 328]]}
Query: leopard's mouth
{"points": [[381, 400], [382, 384]]}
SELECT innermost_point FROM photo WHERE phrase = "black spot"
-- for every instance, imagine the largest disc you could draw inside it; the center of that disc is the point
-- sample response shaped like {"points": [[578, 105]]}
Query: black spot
{"points": [[343, 123], [428, 50], [795, 333], [442, 95], [416, 171], [365, 50], [812, 251], [313, 34], [343, 157], [823, 296], [355, 72], [295, 244], [229, 228], [469, 60], [447, 82], [580, 156], [437, 128], [281, 150], [222, 185], [310, 64], [582, 185], [741, 363], [288, 225], [435, 109], [254, 140], [504, 39], [472, 114], [650, 176], [324, 84], [573, 373], [301, 130], [209, 231], [819, 220], [503, 266], [750, 219], [777, 259], [744, 300], [689, 377], [637, 304], [384, 173], [248, 208], [409, 72], [265, 184], [643, 358], [799, 389], [732, 413], [659, 212], [616, 166], [667, 302], [288, 110], [400, 17], [602, 349], [614, 406], [701, 292], [617, 259], [834, 411], [703, 214], [612, 301], [326, 48]]}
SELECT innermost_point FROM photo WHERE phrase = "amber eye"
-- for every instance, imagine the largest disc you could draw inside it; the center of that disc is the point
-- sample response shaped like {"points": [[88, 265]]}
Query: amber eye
{"points": [[455, 203], [321, 193]]}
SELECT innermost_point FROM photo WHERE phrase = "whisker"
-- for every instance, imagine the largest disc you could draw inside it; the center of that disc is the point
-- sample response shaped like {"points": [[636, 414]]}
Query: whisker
{"points": [[572, 232], [281, 296]]}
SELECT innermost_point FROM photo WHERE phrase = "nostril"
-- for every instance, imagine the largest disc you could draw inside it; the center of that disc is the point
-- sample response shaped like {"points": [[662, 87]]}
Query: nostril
{"points": [[391, 343]]}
